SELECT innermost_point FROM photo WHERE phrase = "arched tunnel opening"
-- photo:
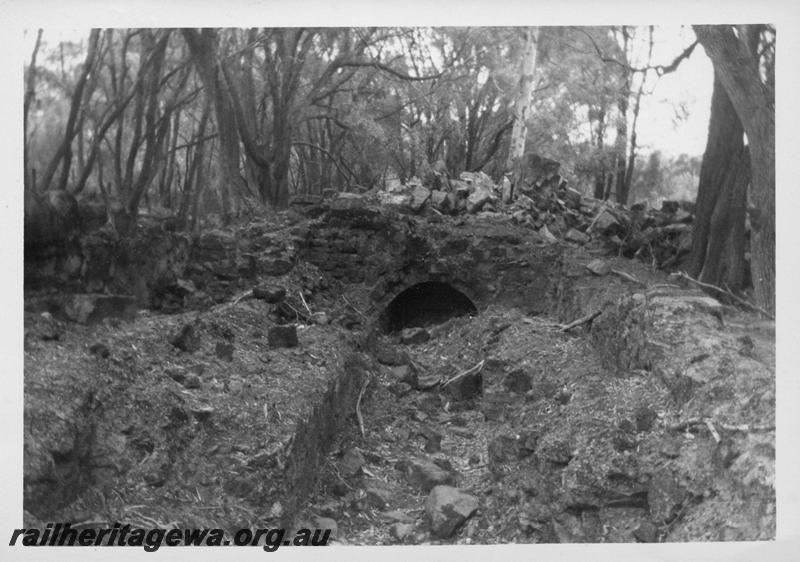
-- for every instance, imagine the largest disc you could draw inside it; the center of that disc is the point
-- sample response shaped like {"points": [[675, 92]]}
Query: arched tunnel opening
{"points": [[425, 304]]}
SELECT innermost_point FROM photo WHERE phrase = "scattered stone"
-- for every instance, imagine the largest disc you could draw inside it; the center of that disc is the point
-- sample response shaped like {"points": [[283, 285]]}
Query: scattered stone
{"points": [[397, 515], [320, 318], [224, 350], [404, 373], [528, 440], [191, 381], [186, 339], [282, 336], [671, 448], [479, 198], [646, 532], [401, 530], [447, 509], [351, 462], [494, 405], [424, 474], [556, 451], [270, 293], [575, 235], [518, 381], [202, 413], [183, 287], [93, 308], [391, 356], [426, 380], [419, 196], [178, 374], [274, 266], [605, 223], [665, 496], [433, 439], [645, 417], [476, 179], [599, 267], [439, 201], [326, 523], [467, 387], [502, 449], [563, 397], [623, 441], [413, 336], [542, 390], [547, 235], [49, 329], [99, 349], [377, 497], [400, 389]]}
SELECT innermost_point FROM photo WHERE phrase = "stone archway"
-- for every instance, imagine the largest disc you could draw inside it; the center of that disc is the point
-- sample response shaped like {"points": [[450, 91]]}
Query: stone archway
{"points": [[425, 303]]}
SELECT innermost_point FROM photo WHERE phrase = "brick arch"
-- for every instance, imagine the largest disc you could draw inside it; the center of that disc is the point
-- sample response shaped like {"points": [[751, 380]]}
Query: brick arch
{"points": [[472, 289]]}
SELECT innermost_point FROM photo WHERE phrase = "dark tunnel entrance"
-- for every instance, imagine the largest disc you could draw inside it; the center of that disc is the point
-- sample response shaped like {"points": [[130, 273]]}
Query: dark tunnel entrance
{"points": [[425, 304]]}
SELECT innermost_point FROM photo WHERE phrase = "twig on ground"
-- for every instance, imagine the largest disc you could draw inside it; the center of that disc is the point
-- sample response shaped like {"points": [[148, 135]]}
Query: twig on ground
{"points": [[471, 371], [743, 428], [364, 316], [241, 297], [585, 320], [743, 302], [305, 304], [358, 406], [712, 429]]}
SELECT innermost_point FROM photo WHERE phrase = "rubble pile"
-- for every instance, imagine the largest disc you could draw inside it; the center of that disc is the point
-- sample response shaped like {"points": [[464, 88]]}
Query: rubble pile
{"points": [[545, 203]]}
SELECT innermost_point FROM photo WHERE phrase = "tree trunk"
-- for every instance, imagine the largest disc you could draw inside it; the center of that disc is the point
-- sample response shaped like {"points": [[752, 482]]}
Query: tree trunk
{"points": [[30, 95], [600, 175], [64, 153], [723, 147], [203, 47], [738, 71], [621, 143], [519, 133]]}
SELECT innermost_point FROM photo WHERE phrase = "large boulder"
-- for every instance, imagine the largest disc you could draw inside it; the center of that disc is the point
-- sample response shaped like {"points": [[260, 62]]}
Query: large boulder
{"points": [[480, 197], [447, 509]]}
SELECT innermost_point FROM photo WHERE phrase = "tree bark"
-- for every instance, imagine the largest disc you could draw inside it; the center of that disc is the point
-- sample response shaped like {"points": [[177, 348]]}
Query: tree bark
{"points": [[519, 133], [203, 47], [30, 95], [753, 101], [723, 147]]}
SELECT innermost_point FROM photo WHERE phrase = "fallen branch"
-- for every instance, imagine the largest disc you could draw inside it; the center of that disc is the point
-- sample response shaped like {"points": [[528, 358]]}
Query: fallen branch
{"points": [[305, 304], [741, 301], [712, 429], [358, 406], [471, 371], [364, 316], [629, 277], [580, 321], [709, 424], [243, 296]]}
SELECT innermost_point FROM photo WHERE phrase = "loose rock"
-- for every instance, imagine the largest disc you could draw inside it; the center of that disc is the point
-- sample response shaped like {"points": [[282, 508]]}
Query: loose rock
{"points": [[412, 336], [270, 293], [424, 474], [447, 509], [186, 339], [282, 336]]}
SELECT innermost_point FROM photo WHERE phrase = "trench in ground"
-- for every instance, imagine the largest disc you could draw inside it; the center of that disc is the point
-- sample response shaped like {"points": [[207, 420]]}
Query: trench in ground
{"points": [[569, 395]]}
